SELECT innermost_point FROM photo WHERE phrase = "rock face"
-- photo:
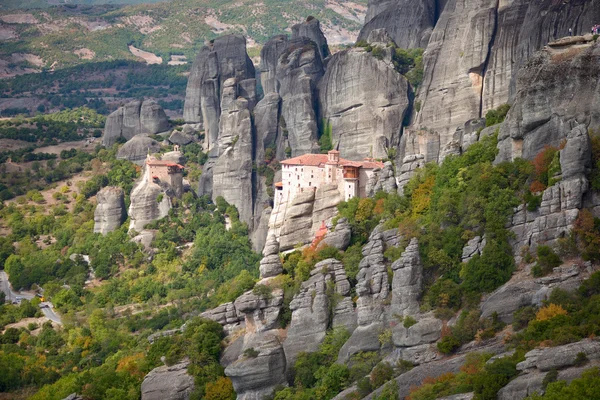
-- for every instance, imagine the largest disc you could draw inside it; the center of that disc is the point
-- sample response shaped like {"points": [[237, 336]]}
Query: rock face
{"points": [[560, 205], [297, 221], [556, 92], [408, 281], [338, 236], [364, 99], [298, 70], [409, 23], [223, 58], [310, 308], [145, 206], [382, 180], [311, 29], [232, 172], [137, 149], [135, 118], [270, 265], [269, 56], [110, 210], [168, 383]]}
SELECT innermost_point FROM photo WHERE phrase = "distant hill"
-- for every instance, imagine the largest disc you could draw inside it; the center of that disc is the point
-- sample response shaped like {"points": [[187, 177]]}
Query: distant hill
{"points": [[66, 35]]}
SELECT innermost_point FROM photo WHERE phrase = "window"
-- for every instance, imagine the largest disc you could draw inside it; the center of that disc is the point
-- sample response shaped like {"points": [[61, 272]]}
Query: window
{"points": [[298, 185], [296, 169], [309, 183]]}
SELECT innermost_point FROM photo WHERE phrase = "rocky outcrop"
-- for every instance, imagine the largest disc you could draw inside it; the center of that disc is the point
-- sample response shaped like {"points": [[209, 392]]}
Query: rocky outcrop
{"points": [[409, 23], [539, 361], [221, 59], [173, 156], [338, 236], [149, 202], [383, 180], [373, 290], [182, 137], [168, 383], [298, 70], [267, 128], [110, 210], [473, 247], [311, 29], [561, 203], [135, 118], [557, 89], [137, 149], [310, 308], [407, 283], [226, 315], [232, 172], [260, 368], [270, 265], [364, 99], [269, 56], [297, 221], [260, 313]]}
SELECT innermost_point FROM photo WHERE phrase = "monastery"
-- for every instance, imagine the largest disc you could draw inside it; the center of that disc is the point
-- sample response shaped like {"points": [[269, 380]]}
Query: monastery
{"points": [[168, 172], [309, 171]]}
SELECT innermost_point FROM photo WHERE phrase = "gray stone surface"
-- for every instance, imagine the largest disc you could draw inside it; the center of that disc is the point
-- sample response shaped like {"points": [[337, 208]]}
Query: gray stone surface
{"points": [[232, 171], [137, 149], [226, 315], [383, 180], [254, 378], [168, 383], [181, 138], [222, 58], [269, 56], [408, 22], [298, 70], [509, 298], [365, 100], [426, 330], [110, 210], [145, 207], [134, 118], [311, 308], [407, 283], [311, 29], [338, 236], [270, 265], [261, 313]]}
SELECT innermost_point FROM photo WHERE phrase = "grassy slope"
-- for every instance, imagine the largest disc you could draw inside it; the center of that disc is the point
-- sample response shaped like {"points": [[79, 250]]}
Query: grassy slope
{"points": [[176, 27]]}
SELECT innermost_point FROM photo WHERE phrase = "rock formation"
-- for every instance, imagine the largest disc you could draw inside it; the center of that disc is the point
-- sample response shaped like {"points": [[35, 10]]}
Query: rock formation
{"points": [[383, 180], [364, 99], [270, 265], [110, 210], [137, 149], [149, 202], [269, 56], [408, 281], [221, 59], [311, 29], [409, 23], [298, 71], [310, 308], [168, 383], [338, 236], [135, 118], [232, 172]]}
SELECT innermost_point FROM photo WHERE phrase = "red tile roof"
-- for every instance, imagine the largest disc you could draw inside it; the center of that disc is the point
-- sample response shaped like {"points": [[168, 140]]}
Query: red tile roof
{"points": [[318, 160]]}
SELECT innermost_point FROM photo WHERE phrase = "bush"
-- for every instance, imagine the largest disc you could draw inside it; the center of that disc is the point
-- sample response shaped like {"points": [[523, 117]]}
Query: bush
{"points": [[382, 373], [251, 353], [550, 311], [547, 260], [448, 344], [494, 377], [409, 321], [493, 117]]}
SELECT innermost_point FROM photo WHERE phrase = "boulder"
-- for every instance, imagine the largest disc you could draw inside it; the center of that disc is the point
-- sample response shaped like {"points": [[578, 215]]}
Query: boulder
{"points": [[153, 119], [383, 180], [168, 383], [509, 298], [110, 210], [181, 138], [546, 359], [364, 99], [226, 315], [176, 157], [137, 149], [261, 313], [426, 330]]}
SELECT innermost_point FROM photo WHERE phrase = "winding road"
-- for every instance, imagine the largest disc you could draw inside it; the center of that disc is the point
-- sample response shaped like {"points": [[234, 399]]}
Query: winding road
{"points": [[47, 309]]}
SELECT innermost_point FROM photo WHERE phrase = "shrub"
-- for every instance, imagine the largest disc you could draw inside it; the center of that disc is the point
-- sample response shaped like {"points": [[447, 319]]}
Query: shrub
{"points": [[389, 392], [382, 373], [522, 316], [550, 311], [550, 377], [496, 116], [581, 359], [448, 344], [251, 353], [409, 321], [494, 376]]}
